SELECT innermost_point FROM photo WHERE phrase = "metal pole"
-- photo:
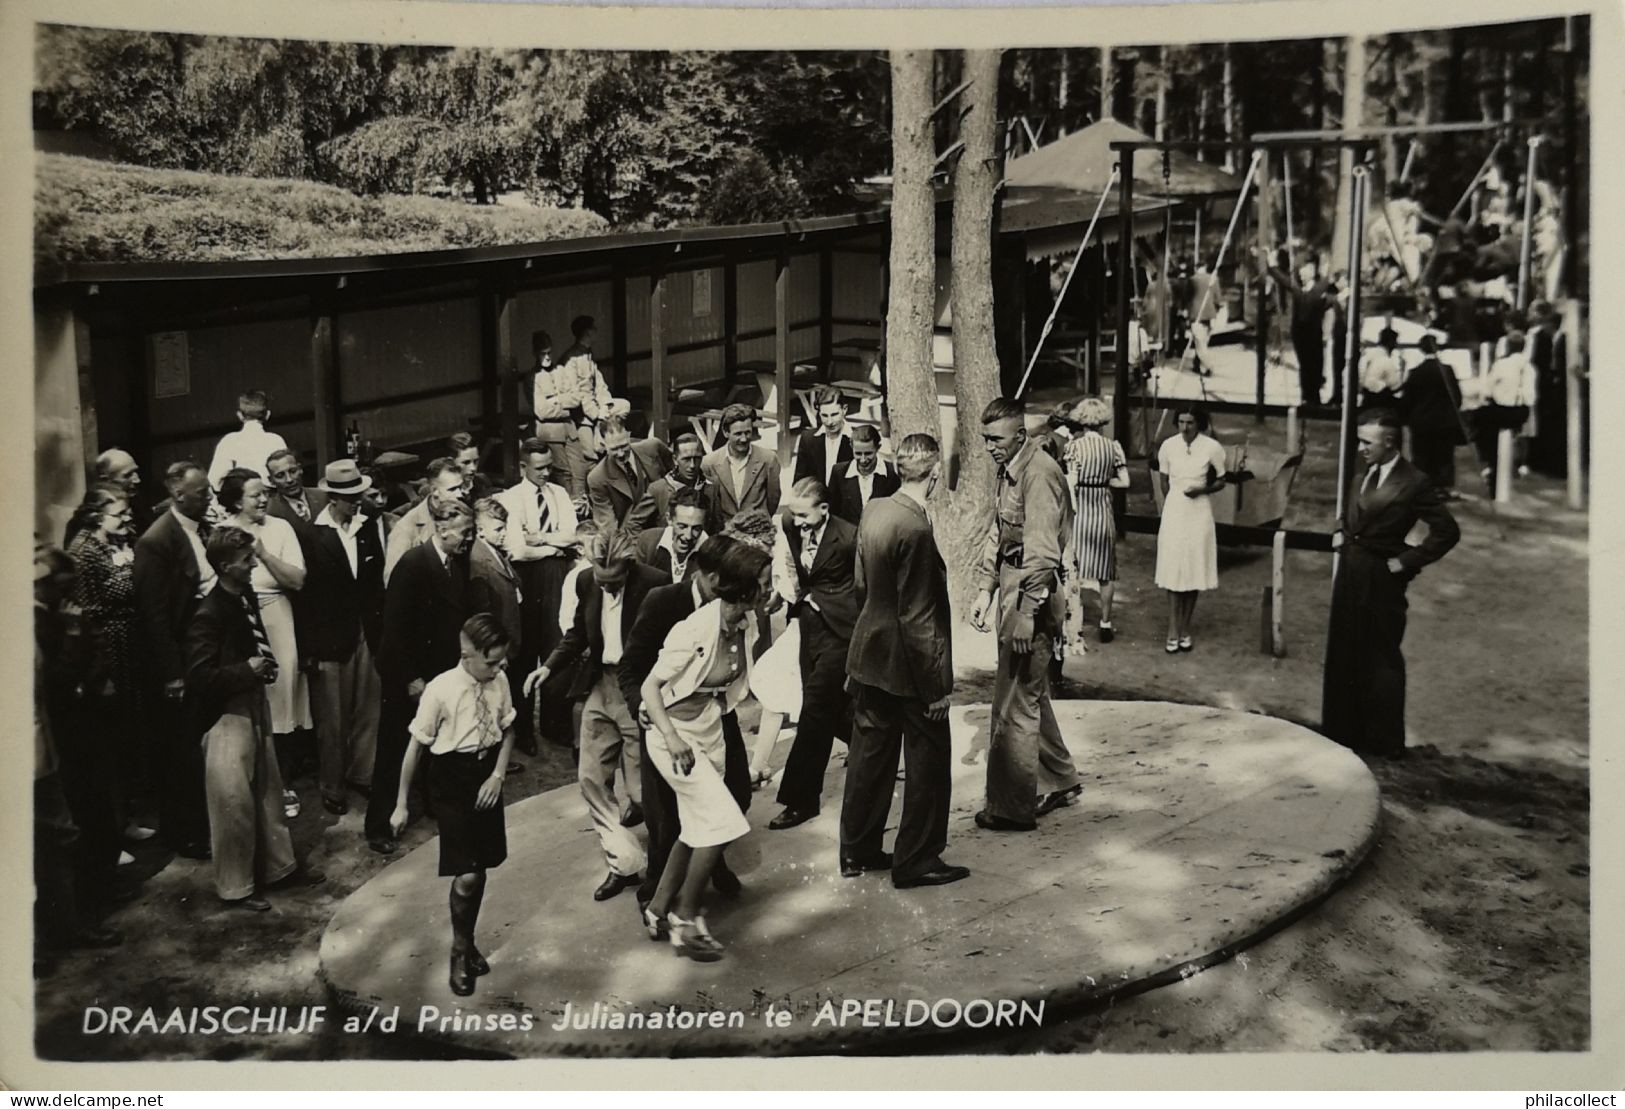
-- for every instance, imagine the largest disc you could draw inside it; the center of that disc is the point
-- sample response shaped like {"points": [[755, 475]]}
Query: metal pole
{"points": [[1049, 324], [1528, 222], [1224, 247], [1410, 157], [1351, 345], [1286, 185], [1477, 177], [1125, 256]]}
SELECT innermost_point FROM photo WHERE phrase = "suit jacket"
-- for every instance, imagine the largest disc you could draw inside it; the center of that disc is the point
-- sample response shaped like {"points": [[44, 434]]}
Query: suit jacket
{"points": [[494, 587], [425, 605], [336, 606], [663, 608], [829, 583], [219, 643], [1432, 400], [280, 508], [903, 640], [414, 528], [613, 494], [812, 456], [585, 639], [166, 583], [846, 496], [1377, 520], [761, 482], [652, 554]]}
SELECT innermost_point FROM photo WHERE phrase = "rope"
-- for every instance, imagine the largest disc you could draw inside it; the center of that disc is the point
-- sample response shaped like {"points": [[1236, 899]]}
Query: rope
{"points": [[1049, 324]]}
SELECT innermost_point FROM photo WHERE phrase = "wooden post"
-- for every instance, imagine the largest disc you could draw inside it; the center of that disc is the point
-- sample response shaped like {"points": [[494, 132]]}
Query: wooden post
{"points": [[781, 352], [617, 330], [492, 371], [661, 403], [1096, 300], [1262, 342], [324, 382], [1503, 466], [826, 307], [1574, 403], [730, 317], [1277, 594], [1294, 432], [1125, 270], [507, 364]]}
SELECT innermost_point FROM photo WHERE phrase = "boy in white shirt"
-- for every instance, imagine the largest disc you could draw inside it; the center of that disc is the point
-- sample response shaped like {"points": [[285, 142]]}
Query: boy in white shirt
{"points": [[465, 721], [250, 447]]}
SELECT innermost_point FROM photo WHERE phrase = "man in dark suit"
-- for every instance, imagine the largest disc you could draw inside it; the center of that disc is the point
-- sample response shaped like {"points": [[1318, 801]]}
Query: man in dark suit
{"points": [[343, 611], [863, 479], [290, 500], [425, 605], [1432, 403], [662, 610], [1363, 695], [824, 449], [171, 574], [669, 549], [618, 484], [823, 549], [902, 671], [607, 604], [492, 580], [746, 475], [687, 455]]}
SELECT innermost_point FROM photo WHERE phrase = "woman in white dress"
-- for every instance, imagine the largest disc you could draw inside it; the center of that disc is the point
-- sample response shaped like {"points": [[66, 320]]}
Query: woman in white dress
{"points": [[279, 569], [1190, 466], [702, 674]]}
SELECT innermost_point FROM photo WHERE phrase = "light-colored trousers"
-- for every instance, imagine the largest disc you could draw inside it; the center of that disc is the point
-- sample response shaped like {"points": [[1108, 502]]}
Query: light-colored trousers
{"points": [[609, 741], [344, 700], [243, 789], [1026, 755]]}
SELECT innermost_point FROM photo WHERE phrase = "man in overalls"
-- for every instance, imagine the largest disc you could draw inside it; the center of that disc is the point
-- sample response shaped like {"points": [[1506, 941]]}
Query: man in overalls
{"points": [[1029, 770]]}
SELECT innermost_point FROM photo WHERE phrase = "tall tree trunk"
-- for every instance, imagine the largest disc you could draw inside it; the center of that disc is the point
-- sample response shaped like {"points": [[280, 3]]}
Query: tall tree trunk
{"points": [[1353, 118], [1061, 88], [976, 363], [1106, 72], [911, 391], [1229, 109]]}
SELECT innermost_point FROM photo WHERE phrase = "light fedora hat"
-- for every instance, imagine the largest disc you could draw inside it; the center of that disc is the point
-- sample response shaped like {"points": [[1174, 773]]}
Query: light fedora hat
{"points": [[344, 477]]}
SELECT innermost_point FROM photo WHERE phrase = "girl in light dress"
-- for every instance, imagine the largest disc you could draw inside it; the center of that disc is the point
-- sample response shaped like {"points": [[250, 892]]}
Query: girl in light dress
{"points": [[1191, 468]]}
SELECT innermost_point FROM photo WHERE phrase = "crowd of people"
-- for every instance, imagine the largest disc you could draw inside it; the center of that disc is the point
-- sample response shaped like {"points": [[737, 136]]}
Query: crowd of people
{"points": [[624, 610]]}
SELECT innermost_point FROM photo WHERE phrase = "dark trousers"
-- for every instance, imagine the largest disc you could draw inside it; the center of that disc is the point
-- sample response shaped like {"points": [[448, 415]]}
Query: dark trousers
{"points": [[542, 583], [395, 712], [1311, 364], [824, 706], [1434, 453], [56, 878], [660, 803], [183, 814], [84, 730], [884, 725], [1490, 421], [1363, 691]]}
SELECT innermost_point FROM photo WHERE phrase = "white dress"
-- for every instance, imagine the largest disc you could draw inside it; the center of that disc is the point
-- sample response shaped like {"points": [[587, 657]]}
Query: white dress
{"points": [[290, 693], [1187, 552]]}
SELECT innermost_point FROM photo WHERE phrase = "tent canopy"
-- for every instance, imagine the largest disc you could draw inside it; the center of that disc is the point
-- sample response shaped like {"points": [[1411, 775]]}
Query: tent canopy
{"points": [[1083, 161], [1051, 221]]}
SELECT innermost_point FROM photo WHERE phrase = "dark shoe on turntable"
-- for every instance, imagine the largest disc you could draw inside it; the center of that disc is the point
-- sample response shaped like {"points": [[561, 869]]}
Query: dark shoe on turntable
{"points": [[939, 875]]}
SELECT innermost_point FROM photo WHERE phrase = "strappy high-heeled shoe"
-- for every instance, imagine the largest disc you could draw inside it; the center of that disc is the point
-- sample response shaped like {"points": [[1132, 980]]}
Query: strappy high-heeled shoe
{"points": [[692, 938], [654, 924]]}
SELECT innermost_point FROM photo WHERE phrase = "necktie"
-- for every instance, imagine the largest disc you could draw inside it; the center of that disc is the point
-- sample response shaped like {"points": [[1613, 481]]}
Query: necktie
{"points": [[485, 726], [809, 549], [1371, 479], [302, 508], [262, 642], [542, 515]]}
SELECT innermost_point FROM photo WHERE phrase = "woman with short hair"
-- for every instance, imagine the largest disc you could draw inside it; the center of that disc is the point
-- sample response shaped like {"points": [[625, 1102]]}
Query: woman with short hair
{"points": [[1095, 465], [1191, 467]]}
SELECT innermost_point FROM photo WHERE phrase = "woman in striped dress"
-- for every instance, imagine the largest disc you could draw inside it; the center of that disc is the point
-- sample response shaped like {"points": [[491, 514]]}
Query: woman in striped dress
{"points": [[1094, 466]]}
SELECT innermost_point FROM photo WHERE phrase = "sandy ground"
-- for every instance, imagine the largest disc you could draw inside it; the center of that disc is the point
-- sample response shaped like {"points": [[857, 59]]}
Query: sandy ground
{"points": [[1467, 929]]}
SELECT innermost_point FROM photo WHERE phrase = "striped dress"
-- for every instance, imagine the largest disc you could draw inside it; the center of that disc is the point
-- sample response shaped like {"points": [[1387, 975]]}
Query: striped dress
{"points": [[1092, 460]]}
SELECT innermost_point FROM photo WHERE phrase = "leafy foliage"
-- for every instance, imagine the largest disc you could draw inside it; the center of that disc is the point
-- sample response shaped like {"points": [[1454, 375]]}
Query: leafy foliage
{"points": [[89, 211]]}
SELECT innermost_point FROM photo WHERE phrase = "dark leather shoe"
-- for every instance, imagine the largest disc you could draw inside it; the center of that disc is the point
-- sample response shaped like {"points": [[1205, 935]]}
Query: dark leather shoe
{"points": [[300, 878], [633, 817], [253, 903], [384, 845], [477, 966], [99, 935], [725, 881], [462, 982], [939, 875], [851, 868], [337, 808], [614, 884], [1059, 799], [990, 823], [195, 850], [789, 818]]}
